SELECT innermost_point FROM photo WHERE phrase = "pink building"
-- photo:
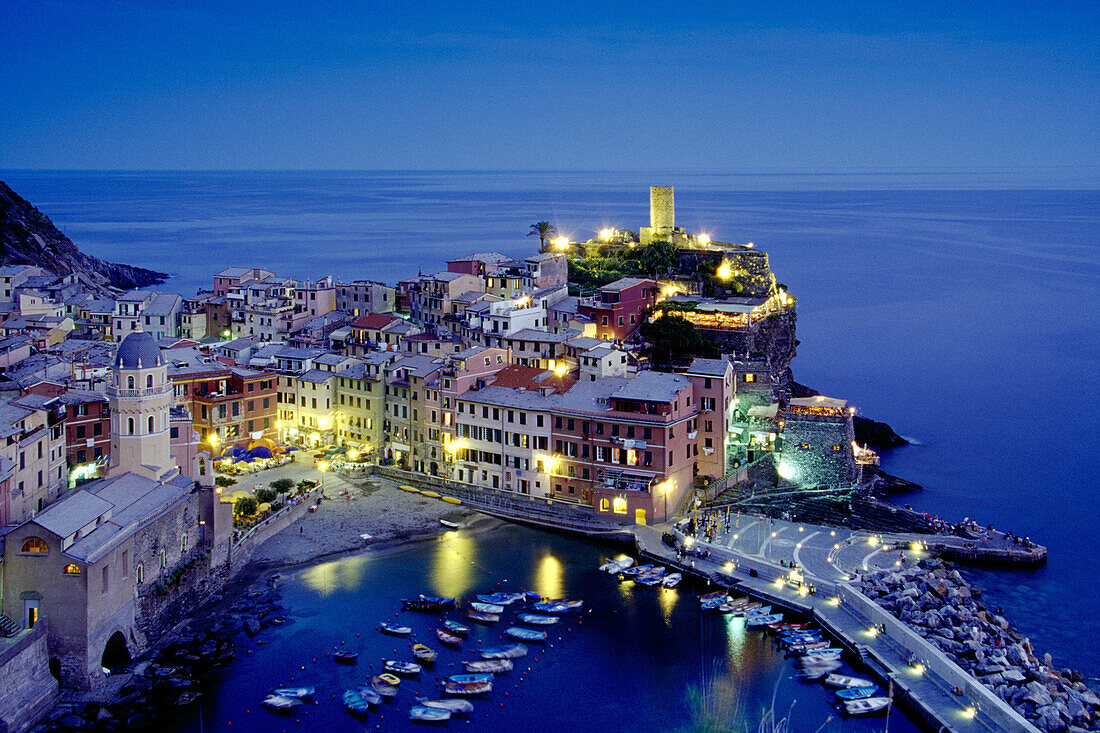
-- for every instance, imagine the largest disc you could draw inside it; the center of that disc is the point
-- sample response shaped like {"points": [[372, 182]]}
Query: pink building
{"points": [[618, 309]]}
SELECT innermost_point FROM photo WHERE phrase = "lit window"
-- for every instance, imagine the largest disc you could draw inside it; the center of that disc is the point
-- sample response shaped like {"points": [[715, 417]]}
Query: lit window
{"points": [[619, 505], [72, 569], [750, 377], [35, 546], [836, 447]]}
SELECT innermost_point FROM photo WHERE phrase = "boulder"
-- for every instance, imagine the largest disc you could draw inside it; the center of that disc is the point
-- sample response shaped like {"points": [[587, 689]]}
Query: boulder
{"points": [[251, 626], [1037, 694]]}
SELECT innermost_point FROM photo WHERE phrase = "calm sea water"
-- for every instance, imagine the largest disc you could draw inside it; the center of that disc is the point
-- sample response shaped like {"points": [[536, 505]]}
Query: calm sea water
{"points": [[957, 308]]}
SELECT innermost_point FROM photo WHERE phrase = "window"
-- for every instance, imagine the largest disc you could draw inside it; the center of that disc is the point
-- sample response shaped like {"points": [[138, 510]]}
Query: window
{"points": [[72, 569], [106, 579], [130, 382], [183, 543], [750, 377], [163, 560], [129, 426], [150, 423], [605, 505], [80, 432], [34, 546], [836, 447], [139, 574], [149, 381], [125, 563]]}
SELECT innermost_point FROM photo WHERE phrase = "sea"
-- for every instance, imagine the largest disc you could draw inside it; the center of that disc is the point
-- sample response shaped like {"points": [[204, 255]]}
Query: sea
{"points": [[958, 306]]}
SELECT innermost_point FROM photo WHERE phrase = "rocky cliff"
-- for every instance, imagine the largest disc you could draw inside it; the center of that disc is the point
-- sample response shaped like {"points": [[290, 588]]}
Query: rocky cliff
{"points": [[28, 237], [877, 435]]}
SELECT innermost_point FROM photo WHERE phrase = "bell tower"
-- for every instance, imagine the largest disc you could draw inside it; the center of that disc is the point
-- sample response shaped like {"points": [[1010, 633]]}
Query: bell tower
{"points": [[140, 395]]}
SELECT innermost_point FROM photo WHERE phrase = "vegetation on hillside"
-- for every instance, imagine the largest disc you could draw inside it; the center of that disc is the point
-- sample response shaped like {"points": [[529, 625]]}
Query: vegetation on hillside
{"points": [[596, 265], [675, 341]]}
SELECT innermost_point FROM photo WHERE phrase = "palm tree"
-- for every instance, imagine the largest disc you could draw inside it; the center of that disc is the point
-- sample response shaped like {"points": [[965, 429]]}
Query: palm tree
{"points": [[543, 230]]}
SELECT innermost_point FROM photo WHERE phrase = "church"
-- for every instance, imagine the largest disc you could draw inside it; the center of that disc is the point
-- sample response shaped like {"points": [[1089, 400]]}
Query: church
{"points": [[102, 566]]}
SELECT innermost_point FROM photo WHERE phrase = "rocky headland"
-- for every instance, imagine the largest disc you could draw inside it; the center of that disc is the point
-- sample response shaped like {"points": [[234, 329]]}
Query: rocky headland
{"points": [[935, 601], [28, 237]]}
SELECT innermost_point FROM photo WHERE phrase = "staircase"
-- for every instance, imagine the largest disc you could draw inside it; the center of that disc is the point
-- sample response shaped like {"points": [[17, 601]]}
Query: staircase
{"points": [[8, 628]]}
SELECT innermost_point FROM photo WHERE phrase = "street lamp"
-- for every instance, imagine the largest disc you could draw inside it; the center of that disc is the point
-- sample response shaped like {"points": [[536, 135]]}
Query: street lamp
{"points": [[322, 466]]}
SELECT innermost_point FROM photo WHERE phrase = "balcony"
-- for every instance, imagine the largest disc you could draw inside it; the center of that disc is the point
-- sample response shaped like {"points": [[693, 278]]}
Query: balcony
{"points": [[146, 392]]}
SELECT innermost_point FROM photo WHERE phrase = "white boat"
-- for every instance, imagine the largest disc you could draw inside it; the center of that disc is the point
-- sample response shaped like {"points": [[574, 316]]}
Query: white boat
{"points": [[453, 706], [538, 619], [827, 653], [819, 670], [486, 607], [753, 621], [671, 580], [428, 714], [843, 680], [866, 706], [299, 693], [449, 524], [280, 702], [493, 666], [617, 566]]}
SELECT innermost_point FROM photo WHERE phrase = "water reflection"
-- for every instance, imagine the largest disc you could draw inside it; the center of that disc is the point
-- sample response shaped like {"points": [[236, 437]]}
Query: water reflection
{"points": [[548, 577], [346, 574], [667, 597], [453, 565]]}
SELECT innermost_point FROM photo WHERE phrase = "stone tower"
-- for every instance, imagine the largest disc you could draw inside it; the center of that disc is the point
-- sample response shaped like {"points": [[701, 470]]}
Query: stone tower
{"points": [[140, 396], [662, 208]]}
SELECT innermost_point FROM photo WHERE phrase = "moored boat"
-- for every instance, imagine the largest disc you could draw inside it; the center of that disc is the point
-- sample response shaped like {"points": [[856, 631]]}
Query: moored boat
{"points": [[518, 632], [394, 629], [818, 670], [866, 706], [637, 570], [492, 666], [427, 714], [298, 693], [506, 651], [390, 679], [754, 621], [449, 524], [468, 688], [538, 619], [615, 567], [382, 687], [424, 654], [826, 654], [470, 677], [454, 627], [558, 607], [712, 595], [483, 618], [843, 680], [787, 626], [449, 639], [345, 657], [486, 607], [404, 668], [368, 693], [857, 693], [278, 702], [671, 580], [454, 707], [499, 599], [355, 703]]}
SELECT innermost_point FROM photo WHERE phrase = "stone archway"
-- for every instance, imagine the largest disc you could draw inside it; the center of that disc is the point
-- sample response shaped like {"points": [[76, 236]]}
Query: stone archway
{"points": [[116, 655]]}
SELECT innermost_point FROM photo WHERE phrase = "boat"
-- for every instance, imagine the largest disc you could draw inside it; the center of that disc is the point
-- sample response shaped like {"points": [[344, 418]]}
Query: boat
{"points": [[866, 706], [671, 580], [454, 627], [345, 657], [800, 637], [507, 651], [856, 693], [808, 646], [653, 578], [518, 632], [500, 599], [278, 702], [754, 621], [557, 608], [843, 680], [712, 595], [787, 626], [425, 605], [368, 693], [468, 678], [493, 666], [744, 608], [723, 607], [614, 567], [298, 693], [756, 612], [486, 607], [390, 679], [445, 601], [817, 671], [537, 619], [454, 707], [446, 638], [424, 654], [637, 570], [355, 703], [823, 653], [426, 714], [484, 618], [395, 629], [382, 687], [431, 494], [468, 688], [449, 524], [406, 668]]}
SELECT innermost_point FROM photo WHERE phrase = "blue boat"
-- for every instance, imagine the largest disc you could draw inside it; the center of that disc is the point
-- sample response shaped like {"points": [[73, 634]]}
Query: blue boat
{"points": [[557, 608], [465, 679], [637, 570], [500, 599], [754, 621], [532, 597], [857, 693], [355, 703], [507, 651], [445, 602], [456, 628], [517, 632], [367, 693]]}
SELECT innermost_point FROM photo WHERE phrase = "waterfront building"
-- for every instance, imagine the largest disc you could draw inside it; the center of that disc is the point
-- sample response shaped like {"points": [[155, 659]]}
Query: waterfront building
{"points": [[405, 381], [315, 298], [502, 437], [360, 402], [715, 389], [365, 296], [430, 296], [231, 277], [618, 309]]}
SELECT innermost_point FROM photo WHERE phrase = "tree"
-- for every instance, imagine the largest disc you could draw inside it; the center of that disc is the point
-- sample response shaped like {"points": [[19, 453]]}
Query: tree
{"points": [[543, 230], [282, 485], [224, 481], [265, 496], [672, 334], [658, 257], [246, 506]]}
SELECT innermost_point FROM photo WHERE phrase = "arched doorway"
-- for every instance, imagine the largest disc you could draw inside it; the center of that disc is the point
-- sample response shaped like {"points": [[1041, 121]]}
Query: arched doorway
{"points": [[115, 654], [434, 468]]}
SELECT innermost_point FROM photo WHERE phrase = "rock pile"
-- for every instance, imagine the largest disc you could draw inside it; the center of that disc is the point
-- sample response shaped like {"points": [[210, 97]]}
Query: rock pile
{"points": [[938, 604], [172, 675]]}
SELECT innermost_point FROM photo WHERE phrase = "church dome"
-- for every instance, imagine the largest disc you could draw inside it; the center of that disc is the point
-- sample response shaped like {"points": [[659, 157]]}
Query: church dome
{"points": [[138, 351]]}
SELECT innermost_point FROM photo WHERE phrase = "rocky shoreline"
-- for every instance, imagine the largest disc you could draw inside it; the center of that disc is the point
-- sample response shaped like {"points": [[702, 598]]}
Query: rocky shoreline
{"points": [[933, 599]]}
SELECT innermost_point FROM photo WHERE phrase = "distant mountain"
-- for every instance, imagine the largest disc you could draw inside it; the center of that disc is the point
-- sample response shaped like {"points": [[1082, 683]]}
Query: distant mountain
{"points": [[28, 237]]}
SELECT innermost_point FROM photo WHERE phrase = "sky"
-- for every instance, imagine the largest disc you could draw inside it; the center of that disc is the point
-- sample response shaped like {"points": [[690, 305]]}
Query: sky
{"points": [[729, 86]]}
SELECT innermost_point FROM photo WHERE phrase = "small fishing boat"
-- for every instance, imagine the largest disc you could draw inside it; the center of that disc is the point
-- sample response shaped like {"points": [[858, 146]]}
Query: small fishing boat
{"points": [[355, 703], [787, 626], [712, 595], [425, 605], [754, 621], [452, 500], [449, 639], [857, 693], [808, 646], [843, 680], [454, 707], [445, 601], [745, 608], [723, 606], [671, 580], [866, 706], [368, 693], [345, 657], [557, 608], [518, 632], [651, 578], [757, 612], [409, 489], [492, 666], [468, 688], [637, 570], [298, 693], [424, 654], [278, 702], [826, 653], [454, 627], [501, 599], [614, 567], [427, 714], [507, 651], [382, 687], [449, 524], [817, 671], [799, 637], [537, 619], [394, 629], [408, 669], [532, 597], [389, 679], [483, 618], [486, 607], [467, 678]]}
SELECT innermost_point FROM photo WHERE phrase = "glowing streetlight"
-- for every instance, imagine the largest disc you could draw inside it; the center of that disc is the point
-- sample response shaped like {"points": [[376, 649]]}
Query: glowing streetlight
{"points": [[561, 370], [561, 242], [724, 272], [213, 439], [606, 235], [703, 239]]}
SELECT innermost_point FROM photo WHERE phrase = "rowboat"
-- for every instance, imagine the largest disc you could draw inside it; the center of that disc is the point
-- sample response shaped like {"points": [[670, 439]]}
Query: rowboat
{"points": [[298, 693], [355, 703], [445, 601], [531, 596], [857, 693], [425, 655], [843, 680], [502, 599], [492, 666], [449, 524], [754, 621], [744, 608], [801, 637], [278, 702], [428, 715], [828, 653], [390, 679], [382, 687], [517, 632], [808, 646], [454, 707], [507, 651], [866, 706], [449, 639], [652, 578], [468, 678], [395, 629], [454, 627], [367, 693], [486, 607], [345, 657], [671, 580], [637, 570], [614, 567], [782, 627], [427, 605], [749, 612], [467, 688], [817, 671], [484, 618], [537, 619], [713, 595], [406, 668], [557, 607]]}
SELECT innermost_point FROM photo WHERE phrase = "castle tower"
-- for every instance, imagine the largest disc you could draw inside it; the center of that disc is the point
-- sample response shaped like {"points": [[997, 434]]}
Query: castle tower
{"points": [[662, 208], [139, 395]]}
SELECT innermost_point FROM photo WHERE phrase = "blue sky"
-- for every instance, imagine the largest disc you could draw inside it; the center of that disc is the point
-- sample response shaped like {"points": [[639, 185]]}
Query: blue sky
{"points": [[578, 85]]}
